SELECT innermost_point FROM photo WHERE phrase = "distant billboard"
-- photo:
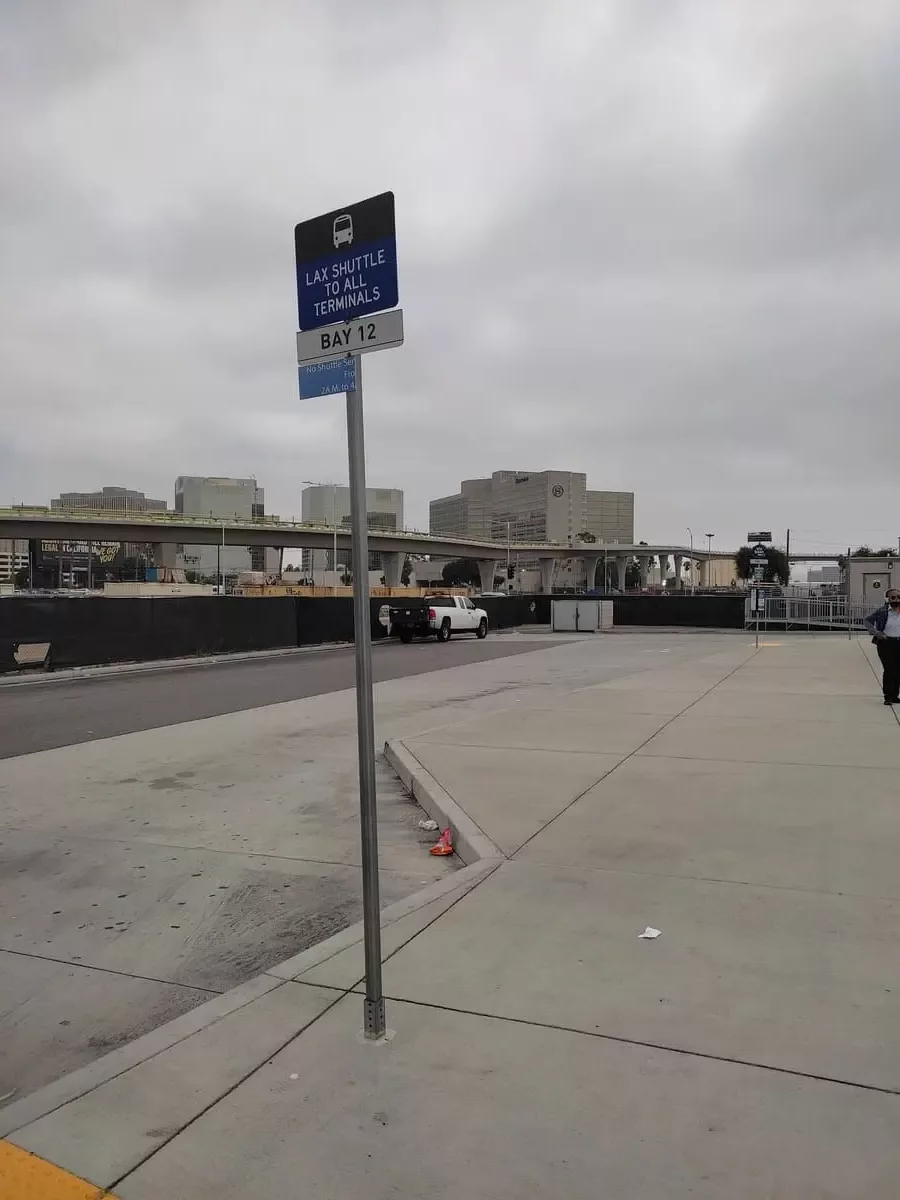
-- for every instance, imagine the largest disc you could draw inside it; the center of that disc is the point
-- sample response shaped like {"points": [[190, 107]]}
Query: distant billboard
{"points": [[74, 563]]}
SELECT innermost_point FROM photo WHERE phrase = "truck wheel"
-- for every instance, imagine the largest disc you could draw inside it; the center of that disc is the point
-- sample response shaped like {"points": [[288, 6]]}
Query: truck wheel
{"points": [[482, 628], [405, 636], [443, 633]]}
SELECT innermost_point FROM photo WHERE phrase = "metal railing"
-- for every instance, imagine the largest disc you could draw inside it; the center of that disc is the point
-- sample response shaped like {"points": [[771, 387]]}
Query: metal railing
{"points": [[792, 612]]}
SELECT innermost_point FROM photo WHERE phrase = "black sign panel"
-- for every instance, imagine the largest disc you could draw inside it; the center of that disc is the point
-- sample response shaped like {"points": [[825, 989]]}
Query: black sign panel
{"points": [[347, 262]]}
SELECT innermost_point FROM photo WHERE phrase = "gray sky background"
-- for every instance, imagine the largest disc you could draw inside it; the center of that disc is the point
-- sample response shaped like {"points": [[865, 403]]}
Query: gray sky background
{"points": [[654, 240]]}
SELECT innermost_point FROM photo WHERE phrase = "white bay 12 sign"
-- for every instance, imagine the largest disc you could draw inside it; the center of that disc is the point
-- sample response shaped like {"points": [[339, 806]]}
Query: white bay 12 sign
{"points": [[378, 332]]}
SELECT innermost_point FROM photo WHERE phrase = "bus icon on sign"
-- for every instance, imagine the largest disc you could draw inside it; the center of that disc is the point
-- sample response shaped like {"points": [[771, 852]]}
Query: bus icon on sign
{"points": [[343, 231]]}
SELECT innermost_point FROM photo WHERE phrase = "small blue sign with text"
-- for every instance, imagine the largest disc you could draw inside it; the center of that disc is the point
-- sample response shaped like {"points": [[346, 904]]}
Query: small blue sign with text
{"points": [[327, 378]]}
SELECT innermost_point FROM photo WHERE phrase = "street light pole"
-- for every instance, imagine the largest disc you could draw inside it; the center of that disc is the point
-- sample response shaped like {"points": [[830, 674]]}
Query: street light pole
{"points": [[334, 541], [506, 589], [691, 536], [709, 538]]}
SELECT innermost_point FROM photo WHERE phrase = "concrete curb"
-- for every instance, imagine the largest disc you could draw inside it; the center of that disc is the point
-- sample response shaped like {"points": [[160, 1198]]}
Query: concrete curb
{"points": [[462, 881], [163, 664], [469, 840], [85, 1079], [31, 1108], [481, 856]]}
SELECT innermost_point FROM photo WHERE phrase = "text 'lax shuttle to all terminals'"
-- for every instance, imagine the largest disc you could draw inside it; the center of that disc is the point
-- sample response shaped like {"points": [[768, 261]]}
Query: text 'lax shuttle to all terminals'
{"points": [[347, 262]]}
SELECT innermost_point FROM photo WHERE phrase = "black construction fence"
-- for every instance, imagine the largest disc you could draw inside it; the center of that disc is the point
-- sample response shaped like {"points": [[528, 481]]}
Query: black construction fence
{"points": [[91, 631], [715, 611]]}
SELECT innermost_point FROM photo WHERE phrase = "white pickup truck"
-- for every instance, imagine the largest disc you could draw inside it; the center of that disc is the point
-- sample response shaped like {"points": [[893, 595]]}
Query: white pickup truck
{"points": [[437, 616]]}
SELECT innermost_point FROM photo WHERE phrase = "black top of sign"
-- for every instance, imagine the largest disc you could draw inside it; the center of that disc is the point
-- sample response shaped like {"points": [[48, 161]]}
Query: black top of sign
{"points": [[759, 537], [372, 219]]}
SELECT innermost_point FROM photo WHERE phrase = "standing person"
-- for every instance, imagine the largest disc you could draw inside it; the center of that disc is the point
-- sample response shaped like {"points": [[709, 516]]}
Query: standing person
{"points": [[884, 626]]}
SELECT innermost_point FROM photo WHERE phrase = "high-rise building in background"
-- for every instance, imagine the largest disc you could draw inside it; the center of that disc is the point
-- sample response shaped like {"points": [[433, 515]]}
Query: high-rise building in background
{"points": [[118, 502], [13, 557], [533, 506], [609, 516], [224, 499], [829, 573], [329, 504], [108, 499]]}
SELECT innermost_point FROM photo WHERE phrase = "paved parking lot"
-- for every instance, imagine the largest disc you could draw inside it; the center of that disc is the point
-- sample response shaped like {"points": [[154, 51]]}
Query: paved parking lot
{"points": [[142, 873]]}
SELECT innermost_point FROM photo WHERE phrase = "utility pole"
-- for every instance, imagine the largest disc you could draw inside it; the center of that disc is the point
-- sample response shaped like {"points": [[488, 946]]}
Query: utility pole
{"points": [[849, 616], [787, 555]]}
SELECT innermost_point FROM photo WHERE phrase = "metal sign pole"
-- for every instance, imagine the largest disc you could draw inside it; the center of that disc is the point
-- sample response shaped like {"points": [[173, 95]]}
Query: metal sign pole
{"points": [[756, 602], [373, 1012]]}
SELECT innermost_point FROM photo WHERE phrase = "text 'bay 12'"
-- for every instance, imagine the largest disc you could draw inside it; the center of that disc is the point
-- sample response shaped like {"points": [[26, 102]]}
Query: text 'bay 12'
{"points": [[378, 332]]}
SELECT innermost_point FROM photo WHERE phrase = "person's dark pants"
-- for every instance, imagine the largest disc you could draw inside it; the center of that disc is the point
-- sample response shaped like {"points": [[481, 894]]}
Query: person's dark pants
{"points": [[889, 653]]}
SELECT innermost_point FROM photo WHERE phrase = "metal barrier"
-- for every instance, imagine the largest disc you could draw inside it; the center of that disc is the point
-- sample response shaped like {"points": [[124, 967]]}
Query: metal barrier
{"points": [[792, 612]]}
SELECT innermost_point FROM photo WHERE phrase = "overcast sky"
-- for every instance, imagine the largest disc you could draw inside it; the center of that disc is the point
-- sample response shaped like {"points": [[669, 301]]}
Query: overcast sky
{"points": [[654, 240]]}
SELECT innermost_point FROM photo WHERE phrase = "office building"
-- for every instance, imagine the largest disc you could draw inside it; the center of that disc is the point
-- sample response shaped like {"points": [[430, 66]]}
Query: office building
{"points": [[829, 573], [13, 557], [533, 506], [108, 499], [467, 514], [224, 499], [329, 504], [609, 516], [118, 502]]}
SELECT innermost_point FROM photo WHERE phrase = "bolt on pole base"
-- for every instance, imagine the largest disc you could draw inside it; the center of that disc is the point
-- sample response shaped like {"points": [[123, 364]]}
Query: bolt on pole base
{"points": [[373, 1019]]}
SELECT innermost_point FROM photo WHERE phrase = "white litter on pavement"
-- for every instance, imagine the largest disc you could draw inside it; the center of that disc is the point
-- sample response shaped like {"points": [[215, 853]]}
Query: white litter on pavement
{"points": [[650, 932], [429, 825], [294, 1076]]}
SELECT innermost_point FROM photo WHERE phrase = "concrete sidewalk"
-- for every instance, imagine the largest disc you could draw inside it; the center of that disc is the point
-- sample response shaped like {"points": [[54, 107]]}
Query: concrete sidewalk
{"points": [[743, 802]]}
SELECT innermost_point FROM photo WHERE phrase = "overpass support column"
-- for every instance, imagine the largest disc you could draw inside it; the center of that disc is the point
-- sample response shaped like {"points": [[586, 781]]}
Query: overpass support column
{"points": [[679, 582], [590, 570], [621, 568], [704, 573], [487, 569], [644, 568], [547, 566], [392, 565], [663, 570], [163, 554]]}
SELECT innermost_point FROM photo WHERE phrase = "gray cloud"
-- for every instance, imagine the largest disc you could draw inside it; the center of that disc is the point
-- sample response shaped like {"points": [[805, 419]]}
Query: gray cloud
{"points": [[658, 243]]}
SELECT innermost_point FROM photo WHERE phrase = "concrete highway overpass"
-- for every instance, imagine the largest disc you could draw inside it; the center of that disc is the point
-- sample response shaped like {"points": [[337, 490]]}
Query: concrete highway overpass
{"points": [[166, 530]]}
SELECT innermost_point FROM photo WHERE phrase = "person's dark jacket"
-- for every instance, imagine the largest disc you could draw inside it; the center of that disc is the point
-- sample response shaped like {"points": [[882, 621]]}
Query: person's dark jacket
{"points": [[876, 621]]}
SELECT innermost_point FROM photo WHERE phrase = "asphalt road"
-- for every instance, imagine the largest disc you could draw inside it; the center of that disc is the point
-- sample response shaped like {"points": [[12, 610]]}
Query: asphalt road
{"points": [[45, 715]]}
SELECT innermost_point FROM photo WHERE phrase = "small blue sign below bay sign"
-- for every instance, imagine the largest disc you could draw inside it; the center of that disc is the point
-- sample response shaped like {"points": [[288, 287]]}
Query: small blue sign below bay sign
{"points": [[327, 378], [346, 263]]}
